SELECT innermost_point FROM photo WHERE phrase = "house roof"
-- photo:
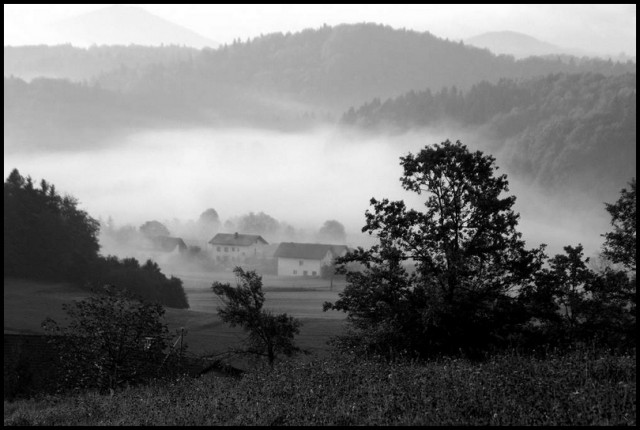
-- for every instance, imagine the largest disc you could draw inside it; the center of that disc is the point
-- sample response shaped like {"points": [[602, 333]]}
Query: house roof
{"points": [[308, 251], [168, 244], [237, 239]]}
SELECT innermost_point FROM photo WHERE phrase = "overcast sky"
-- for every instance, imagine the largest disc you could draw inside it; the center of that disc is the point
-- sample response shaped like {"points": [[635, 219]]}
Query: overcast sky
{"points": [[602, 29]]}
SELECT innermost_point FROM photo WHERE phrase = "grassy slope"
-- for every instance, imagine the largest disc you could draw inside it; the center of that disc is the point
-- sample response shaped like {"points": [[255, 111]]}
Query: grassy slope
{"points": [[581, 388]]}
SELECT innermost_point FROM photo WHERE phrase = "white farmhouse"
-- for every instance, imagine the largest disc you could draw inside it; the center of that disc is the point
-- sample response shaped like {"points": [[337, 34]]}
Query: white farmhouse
{"points": [[236, 247], [306, 259]]}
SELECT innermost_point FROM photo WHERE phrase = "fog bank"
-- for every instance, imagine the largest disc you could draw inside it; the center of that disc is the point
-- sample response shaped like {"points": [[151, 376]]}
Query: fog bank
{"points": [[301, 179]]}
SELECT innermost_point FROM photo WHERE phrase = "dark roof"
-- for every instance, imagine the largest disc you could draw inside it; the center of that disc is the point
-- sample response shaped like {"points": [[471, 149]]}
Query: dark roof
{"points": [[168, 244], [237, 239], [308, 251]]}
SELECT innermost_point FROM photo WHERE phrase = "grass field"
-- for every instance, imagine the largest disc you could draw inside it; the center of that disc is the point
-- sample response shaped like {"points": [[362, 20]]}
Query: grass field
{"points": [[28, 303]]}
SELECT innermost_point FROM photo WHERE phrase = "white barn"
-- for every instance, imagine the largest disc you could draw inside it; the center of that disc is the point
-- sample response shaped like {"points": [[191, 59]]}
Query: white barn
{"points": [[305, 259]]}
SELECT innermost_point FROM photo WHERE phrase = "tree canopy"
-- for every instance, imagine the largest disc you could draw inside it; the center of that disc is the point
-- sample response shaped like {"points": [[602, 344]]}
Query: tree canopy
{"points": [[46, 236], [468, 257]]}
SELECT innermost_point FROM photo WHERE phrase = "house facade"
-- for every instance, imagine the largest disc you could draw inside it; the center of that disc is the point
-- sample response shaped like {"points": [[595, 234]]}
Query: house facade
{"points": [[305, 259], [235, 247]]}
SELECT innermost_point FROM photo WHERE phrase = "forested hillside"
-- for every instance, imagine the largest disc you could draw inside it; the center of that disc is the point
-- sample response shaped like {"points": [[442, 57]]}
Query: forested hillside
{"points": [[561, 130], [278, 78]]}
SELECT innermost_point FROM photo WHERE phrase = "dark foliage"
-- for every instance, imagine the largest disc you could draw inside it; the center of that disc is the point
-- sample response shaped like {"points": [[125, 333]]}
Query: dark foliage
{"points": [[621, 244], [467, 254], [45, 235], [144, 280], [269, 335], [472, 287], [111, 339]]}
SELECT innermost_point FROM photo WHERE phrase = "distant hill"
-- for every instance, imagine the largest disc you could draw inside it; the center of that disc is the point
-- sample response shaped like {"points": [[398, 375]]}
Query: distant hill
{"points": [[125, 25], [277, 80], [519, 45], [333, 68], [86, 64], [561, 131]]}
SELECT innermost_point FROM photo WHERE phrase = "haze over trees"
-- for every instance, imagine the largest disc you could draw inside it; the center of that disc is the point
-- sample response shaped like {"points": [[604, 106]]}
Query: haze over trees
{"points": [[575, 131], [278, 80], [154, 229], [332, 231]]}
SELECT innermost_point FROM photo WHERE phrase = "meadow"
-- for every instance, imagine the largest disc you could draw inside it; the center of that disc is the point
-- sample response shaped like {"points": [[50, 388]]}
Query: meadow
{"points": [[28, 303], [327, 387]]}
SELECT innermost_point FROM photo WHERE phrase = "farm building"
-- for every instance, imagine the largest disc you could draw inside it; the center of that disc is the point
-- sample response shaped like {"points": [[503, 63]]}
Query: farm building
{"points": [[305, 259], [226, 247]]}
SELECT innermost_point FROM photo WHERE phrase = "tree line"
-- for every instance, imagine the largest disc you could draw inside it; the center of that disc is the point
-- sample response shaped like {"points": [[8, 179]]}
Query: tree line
{"points": [[46, 237], [592, 115]]}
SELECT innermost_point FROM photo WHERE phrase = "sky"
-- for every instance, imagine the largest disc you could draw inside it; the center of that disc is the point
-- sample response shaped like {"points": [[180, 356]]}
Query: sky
{"points": [[598, 28]]}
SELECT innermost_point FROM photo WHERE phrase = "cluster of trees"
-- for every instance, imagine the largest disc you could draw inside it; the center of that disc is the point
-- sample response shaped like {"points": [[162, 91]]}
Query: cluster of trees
{"points": [[525, 120], [457, 277], [46, 237]]}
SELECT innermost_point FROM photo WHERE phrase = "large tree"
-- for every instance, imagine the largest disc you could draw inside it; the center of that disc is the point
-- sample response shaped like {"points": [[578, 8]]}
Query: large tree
{"points": [[466, 251]]}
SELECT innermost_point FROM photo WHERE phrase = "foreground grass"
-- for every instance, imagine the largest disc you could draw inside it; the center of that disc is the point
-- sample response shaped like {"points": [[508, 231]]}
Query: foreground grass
{"points": [[572, 389]]}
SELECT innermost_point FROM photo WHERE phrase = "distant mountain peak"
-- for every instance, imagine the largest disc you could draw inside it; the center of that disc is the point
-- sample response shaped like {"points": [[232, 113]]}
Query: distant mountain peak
{"points": [[125, 25]]}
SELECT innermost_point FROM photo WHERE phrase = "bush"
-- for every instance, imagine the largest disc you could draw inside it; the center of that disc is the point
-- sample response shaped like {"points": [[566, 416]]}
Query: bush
{"points": [[111, 339]]}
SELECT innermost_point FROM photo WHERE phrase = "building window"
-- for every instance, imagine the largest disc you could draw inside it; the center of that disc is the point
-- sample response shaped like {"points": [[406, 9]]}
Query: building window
{"points": [[218, 249], [243, 254], [305, 273], [295, 272], [313, 273], [226, 249], [300, 263]]}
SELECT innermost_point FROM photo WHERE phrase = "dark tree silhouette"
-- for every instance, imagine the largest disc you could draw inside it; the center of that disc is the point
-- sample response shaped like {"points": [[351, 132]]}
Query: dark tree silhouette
{"points": [[466, 251], [45, 235], [268, 335], [620, 245], [110, 339]]}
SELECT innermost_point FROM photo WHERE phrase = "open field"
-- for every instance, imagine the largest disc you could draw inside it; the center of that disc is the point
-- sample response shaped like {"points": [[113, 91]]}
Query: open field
{"points": [[28, 303]]}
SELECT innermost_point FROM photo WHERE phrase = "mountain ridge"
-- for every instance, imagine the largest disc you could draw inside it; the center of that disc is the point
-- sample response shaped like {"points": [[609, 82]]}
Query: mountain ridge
{"points": [[125, 25]]}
